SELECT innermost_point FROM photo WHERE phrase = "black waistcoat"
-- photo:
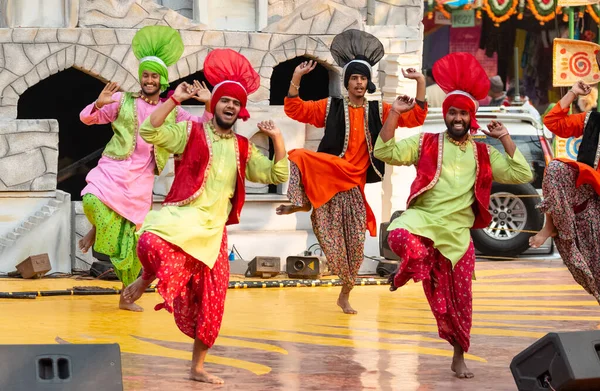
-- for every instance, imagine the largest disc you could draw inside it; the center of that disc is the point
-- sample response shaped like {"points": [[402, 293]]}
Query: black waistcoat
{"points": [[589, 150], [337, 133]]}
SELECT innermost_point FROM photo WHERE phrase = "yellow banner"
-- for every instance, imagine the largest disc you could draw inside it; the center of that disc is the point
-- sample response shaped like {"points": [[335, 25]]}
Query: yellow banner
{"points": [[572, 3], [573, 61]]}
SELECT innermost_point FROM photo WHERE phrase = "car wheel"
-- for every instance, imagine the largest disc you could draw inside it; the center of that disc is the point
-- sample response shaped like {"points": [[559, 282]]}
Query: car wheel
{"points": [[509, 215]]}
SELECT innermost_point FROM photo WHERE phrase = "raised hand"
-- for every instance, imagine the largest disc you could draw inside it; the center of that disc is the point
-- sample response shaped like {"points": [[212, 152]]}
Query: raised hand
{"points": [[402, 104], [305, 67], [581, 89], [203, 94], [183, 92], [269, 128], [411, 73], [495, 130], [105, 97]]}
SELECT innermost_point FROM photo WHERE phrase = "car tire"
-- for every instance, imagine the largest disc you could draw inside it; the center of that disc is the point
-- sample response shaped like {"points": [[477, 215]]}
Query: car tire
{"points": [[498, 242]]}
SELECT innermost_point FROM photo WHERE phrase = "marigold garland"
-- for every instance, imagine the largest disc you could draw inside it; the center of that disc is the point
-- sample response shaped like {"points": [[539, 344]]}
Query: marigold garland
{"points": [[495, 14], [540, 14]]}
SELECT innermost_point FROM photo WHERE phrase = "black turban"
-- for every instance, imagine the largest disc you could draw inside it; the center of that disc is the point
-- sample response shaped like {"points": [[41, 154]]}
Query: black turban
{"points": [[353, 45]]}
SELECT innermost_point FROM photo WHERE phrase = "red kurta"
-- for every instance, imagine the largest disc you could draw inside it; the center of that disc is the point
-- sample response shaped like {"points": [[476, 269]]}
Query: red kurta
{"points": [[325, 175], [564, 125]]}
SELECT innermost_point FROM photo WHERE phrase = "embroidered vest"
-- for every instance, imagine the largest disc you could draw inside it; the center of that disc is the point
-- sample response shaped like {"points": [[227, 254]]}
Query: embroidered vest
{"points": [[429, 167], [125, 129], [337, 133], [191, 170], [589, 149]]}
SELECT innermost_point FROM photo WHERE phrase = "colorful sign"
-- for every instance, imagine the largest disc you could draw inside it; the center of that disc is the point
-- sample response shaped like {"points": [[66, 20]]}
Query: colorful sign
{"points": [[463, 18], [573, 61], [572, 3], [567, 147]]}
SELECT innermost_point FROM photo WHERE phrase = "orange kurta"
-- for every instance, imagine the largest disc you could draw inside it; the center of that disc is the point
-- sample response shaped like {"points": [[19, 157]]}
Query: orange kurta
{"points": [[559, 122], [325, 175]]}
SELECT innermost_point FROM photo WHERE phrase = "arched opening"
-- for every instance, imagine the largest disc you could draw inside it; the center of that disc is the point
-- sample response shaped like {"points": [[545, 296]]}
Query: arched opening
{"points": [[315, 85], [63, 96], [190, 80]]}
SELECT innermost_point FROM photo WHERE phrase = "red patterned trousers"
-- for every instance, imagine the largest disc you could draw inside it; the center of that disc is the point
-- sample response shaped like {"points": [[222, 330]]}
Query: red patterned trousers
{"points": [[448, 290], [192, 292]]}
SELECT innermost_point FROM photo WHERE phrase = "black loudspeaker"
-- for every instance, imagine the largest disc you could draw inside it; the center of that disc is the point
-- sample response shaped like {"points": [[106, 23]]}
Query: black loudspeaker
{"points": [[264, 267], [386, 267], [64, 367], [384, 248], [565, 361], [306, 267], [103, 270]]}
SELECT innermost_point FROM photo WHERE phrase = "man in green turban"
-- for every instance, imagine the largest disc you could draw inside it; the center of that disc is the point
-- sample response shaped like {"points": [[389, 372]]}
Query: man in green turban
{"points": [[119, 190]]}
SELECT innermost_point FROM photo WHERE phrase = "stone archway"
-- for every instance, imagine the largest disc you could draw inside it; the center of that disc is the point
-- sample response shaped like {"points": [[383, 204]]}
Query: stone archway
{"points": [[61, 97]]}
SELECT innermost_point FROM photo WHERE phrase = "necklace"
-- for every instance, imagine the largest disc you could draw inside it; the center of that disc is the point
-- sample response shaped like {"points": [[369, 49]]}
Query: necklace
{"points": [[356, 106], [152, 102], [221, 136], [460, 144]]}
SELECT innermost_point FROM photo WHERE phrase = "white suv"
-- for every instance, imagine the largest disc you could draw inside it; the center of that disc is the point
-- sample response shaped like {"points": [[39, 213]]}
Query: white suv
{"points": [[510, 214]]}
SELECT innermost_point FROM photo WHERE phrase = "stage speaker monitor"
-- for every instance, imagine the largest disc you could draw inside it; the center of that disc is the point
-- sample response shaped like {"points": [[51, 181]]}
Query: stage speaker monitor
{"points": [[309, 267], [34, 266], [563, 361], [64, 367], [264, 267], [386, 267], [384, 248]]}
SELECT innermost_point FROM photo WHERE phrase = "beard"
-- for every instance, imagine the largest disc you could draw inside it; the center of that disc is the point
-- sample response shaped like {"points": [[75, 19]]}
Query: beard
{"points": [[223, 124], [458, 134]]}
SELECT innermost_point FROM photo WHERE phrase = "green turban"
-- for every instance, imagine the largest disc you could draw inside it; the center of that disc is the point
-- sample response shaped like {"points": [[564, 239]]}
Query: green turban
{"points": [[157, 47]]}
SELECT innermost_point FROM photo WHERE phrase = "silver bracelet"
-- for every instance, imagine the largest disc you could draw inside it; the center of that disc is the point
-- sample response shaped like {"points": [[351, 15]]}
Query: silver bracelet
{"points": [[295, 86]]}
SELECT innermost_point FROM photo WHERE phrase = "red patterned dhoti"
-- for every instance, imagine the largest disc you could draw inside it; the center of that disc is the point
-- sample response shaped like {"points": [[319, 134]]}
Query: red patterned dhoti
{"points": [[192, 292], [448, 290]]}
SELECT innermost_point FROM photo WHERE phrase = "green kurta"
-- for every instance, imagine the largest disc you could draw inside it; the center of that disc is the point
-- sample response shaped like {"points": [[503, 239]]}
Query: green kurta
{"points": [[197, 228], [443, 213]]}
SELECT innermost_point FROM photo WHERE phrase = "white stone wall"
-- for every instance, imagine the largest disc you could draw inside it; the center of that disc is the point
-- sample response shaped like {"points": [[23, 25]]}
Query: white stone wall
{"points": [[286, 29], [28, 155]]}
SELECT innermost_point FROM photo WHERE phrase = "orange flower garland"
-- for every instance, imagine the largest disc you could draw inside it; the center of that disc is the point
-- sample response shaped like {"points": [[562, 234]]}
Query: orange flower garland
{"points": [[543, 19], [499, 19]]}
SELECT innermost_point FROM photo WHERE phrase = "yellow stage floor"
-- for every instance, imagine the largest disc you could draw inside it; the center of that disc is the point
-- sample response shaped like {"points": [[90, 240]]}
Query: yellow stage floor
{"points": [[297, 339]]}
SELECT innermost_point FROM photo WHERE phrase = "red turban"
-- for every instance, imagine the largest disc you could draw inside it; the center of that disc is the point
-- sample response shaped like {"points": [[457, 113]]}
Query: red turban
{"points": [[464, 81], [232, 75]]}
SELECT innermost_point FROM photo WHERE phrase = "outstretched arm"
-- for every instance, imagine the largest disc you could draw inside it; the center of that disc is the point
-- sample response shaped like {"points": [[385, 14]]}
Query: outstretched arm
{"points": [[401, 105], [262, 170], [558, 120], [203, 95], [183, 92], [105, 109], [512, 168], [307, 112]]}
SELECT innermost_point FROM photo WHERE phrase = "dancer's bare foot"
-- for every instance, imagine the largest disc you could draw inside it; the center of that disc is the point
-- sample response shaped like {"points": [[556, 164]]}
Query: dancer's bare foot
{"points": [[124, 305], [459, 367], [344, 303], [538, 239], [135, 290], [205, 377], [289, 209], [88, 240]]}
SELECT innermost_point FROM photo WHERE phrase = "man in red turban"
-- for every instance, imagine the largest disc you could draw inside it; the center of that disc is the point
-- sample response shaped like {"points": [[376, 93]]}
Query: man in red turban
{"points": [[449, 196], [184, 244]]}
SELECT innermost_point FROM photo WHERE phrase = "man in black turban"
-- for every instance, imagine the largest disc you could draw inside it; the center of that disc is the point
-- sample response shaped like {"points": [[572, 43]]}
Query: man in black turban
{"points": [[331, 181]]}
